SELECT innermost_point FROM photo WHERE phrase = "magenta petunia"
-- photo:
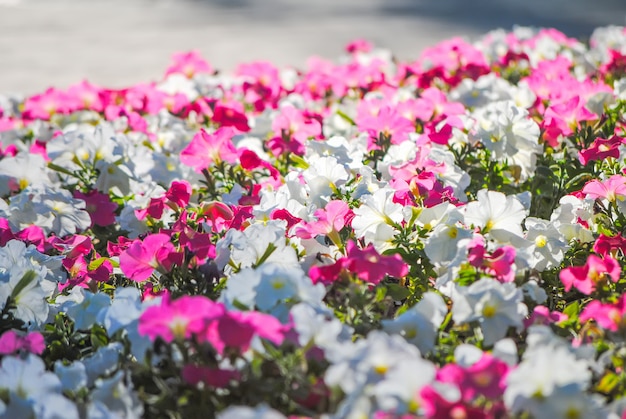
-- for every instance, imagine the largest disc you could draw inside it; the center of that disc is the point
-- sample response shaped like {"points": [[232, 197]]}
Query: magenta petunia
{"points": [[141, 258]]}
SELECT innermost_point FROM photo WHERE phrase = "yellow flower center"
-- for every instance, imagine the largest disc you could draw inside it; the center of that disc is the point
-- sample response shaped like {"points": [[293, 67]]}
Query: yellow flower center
{"points": [[381, 369], [410, 333], [277, 285], [489, 311], [178, 326], [541, 241], [573, 413]]}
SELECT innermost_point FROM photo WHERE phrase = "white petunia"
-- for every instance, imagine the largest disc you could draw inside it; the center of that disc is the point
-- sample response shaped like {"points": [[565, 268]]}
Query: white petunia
{"points": [[23, 287], [495, 306], [375, 218], [116, 395], [23, 170], [419, 324], [257, 244], [509, 133], [548, 379], [83, 307], [317, 325], [31, 391], [324, 177], [548, 245], [497, 215]]}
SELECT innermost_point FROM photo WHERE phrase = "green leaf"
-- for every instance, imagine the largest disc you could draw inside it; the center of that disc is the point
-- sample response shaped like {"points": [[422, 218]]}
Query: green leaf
{"points": [[28, 277], [572, 309], [608, 383], [95, 264], [98, 337], [346, 117], [60, 169], [397, 292]]}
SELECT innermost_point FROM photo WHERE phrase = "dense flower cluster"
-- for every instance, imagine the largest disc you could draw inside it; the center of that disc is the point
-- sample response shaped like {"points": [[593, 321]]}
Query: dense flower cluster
{"points": [[368, 238]]}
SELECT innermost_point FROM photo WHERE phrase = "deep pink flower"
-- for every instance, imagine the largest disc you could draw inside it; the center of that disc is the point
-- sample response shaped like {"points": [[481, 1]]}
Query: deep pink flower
{"points": [[231, 116], [235, 330], [388, 122], [437, 407], [212, 377], [292, 129], [372, 267], [206, 149], [44, 105], [332, 218], [262, 87], [179, 193], [285, 215], [486, 377], [326, 274], [358, 45], [5, 232], [33, 235], [610, 316], [155, 209], [585, 278], [498, 264], [601, 149], [141, 258], [543, 315], [217, 215], [610, 189], [12, 342], [564, 118], [179, 319], [605, 245], [189, 64], [87, 96], [99, 206]]}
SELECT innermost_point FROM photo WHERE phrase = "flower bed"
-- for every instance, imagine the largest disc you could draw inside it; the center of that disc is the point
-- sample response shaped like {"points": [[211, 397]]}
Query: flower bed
{"points": [[368, 238]]}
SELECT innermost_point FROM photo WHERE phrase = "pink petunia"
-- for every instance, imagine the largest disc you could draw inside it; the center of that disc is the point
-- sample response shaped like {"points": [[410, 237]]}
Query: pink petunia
{"points": [[99, 206], [12, 342], [372, 267], [610, 316], [437, 407], [141, 258], [585, 278], [605, 245], [610, 189], [601, 149], [189, 64], [179, 193], [330, 220], [234, 330], [206, 149], [543, 315], [179, 319], [212, 377]]}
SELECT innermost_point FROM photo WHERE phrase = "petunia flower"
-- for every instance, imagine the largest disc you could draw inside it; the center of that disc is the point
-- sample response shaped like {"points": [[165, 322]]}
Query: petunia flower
{"points": [[593, 273], [180, 318], [141, 258], [611, 316], [206, 149]]}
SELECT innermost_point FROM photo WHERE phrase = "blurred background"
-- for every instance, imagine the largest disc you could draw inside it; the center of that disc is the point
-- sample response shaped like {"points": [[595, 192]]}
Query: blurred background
{"points": [[116, 43]]}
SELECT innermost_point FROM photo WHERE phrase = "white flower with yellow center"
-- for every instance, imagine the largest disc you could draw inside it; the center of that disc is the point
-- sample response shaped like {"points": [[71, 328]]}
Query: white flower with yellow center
{"points": [[497, 215], [376, 219], [494, 306], [547, 244]]}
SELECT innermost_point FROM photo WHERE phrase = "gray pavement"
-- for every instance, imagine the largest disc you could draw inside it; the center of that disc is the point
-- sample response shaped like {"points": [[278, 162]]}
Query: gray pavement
{"points": [[119, 42]]}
